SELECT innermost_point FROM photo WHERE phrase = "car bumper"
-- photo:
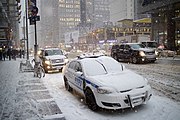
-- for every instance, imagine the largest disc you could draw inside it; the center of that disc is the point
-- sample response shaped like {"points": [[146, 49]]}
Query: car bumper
{"points": [[124, 100], [54, 67], [148, 58]]}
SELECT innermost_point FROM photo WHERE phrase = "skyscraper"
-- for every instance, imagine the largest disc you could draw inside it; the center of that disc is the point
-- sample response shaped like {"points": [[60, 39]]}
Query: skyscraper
{"points": [[121, 9], [48, 26], [61, 16]]}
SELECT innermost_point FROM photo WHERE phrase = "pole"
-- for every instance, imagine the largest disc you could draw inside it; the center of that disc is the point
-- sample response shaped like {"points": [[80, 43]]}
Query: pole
{"points": [[27, 43], [24, 32], [35, 45], [35, 42]]}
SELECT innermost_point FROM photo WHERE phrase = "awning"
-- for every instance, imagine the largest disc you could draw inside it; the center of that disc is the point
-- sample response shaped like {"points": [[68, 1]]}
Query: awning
{"points": [[144, 20]]}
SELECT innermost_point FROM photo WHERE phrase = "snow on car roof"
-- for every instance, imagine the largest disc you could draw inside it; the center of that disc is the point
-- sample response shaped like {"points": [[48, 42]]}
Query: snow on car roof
{"points": [[89, 55], [100, 65]]}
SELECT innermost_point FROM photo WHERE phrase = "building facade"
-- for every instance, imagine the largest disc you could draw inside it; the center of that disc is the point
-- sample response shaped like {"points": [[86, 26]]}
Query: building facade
{"points": [[121, 9], [69, 16], [9, 23], [59, 17], [165, 20], [48, 26]]}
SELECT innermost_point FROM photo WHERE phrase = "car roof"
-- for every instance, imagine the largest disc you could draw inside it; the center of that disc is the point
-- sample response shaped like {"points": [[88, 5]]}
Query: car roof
{"points": [[131, 43], [89, 55], [126, 44], [51, 49]]}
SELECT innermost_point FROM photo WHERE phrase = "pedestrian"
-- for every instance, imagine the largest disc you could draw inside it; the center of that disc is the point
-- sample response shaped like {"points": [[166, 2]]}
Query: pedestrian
{"points": [[23, 53], [20, 53], [14, 54], [9, 53], [4, 54], [1, 53]]}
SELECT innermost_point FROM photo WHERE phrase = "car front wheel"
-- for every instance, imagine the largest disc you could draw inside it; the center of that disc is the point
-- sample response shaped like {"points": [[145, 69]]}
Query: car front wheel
{"points": [[90, 100], [133, 60], [67, 86], [116, 58]]}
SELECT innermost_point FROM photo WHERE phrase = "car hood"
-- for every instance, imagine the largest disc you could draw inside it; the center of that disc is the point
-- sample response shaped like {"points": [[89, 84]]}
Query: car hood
{"points": [[52, 57], [125, 80], [146, 49]]}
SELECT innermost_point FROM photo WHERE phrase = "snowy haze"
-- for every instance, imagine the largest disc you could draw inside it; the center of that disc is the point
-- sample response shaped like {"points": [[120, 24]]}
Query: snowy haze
{"points": [[16, 103]]}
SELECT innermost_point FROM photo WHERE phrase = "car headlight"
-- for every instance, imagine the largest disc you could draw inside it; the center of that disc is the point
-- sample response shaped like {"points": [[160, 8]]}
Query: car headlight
{"points": [[147, 83], [156, 52], [66, 60], [48, 62], [105, 90], [141, 53]]}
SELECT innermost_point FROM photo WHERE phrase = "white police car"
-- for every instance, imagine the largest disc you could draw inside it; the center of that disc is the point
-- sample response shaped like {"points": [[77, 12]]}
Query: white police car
{"points": [[105, 83]]}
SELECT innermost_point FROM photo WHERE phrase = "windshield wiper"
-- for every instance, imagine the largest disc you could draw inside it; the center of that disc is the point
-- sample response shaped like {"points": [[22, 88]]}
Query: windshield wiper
{"points": [[102, 65]]}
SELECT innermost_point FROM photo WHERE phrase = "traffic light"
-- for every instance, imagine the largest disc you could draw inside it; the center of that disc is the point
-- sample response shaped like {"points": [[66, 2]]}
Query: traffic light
{"points": [[19, 7], [18, 1], [19, 11]]}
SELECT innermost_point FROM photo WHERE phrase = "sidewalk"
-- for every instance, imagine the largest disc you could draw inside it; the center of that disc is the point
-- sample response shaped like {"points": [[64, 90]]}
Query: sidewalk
{"points": [[24, 97]]}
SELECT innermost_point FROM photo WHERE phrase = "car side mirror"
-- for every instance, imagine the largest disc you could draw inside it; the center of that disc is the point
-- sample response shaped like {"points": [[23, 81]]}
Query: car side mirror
{"points": [[122, 67]]}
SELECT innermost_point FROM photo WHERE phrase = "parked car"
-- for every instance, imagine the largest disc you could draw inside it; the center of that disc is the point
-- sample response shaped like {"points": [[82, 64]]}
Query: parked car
{"points": [[150, 44], [164, 52], [133, 52], [52, 59], [105, 83]]}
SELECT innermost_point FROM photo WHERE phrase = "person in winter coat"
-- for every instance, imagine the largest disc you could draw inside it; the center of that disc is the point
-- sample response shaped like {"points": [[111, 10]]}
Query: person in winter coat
{"points": [[9, 53], [4, 54]]}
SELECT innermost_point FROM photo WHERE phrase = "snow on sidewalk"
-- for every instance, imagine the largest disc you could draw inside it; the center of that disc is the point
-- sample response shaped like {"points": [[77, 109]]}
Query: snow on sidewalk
{"points": [[24, 97]]}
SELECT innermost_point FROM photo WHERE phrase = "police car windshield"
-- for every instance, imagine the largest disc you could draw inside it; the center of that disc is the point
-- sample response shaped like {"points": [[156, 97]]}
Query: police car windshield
{"points": [[93, 67], [53, 52]]}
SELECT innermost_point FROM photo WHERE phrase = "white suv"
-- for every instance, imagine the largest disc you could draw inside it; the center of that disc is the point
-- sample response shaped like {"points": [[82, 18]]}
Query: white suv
{"points": [[52, 59]]}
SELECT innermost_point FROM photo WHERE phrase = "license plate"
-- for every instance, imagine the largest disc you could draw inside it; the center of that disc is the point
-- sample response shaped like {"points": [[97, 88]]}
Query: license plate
{"points": [[137, 100], [59, 67]]}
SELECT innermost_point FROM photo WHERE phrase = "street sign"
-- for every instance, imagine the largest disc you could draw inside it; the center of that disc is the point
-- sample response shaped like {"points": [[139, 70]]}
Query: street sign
{"points": [[33, 19]]}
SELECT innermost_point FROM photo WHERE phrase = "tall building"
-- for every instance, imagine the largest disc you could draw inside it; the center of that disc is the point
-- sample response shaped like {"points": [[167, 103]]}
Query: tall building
{"points": [[10, 12], [58, 17], [97, 12], [69, 16], [121, 9], [48, 26], [165, 20], [74, 14]]}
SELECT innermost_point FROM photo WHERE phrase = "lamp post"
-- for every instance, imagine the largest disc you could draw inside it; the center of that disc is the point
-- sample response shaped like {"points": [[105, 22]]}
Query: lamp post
{"points": [[27, 43]]}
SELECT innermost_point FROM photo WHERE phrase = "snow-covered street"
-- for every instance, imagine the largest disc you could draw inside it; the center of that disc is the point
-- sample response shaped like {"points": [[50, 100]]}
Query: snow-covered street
{"points": [[24, 97]]}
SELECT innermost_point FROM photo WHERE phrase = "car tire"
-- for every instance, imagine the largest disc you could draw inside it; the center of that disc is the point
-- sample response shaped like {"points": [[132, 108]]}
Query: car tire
{"points": [[116, 58], [67, 86], [153, 61], [90, 100], [134, 60], [46, 71]]}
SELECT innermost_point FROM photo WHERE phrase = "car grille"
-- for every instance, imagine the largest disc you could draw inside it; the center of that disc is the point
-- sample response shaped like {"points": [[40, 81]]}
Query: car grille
{"points": [[57, 61], [123, 91], [150, 53], [136, 99]]}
